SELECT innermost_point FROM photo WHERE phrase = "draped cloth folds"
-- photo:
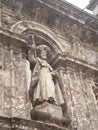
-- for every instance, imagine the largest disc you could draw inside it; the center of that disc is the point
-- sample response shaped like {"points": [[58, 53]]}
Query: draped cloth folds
{"points": [[43, 83]]}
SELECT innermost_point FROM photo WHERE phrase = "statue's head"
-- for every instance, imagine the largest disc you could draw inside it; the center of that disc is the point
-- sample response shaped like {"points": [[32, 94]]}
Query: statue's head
{"points": [[43, 51]]}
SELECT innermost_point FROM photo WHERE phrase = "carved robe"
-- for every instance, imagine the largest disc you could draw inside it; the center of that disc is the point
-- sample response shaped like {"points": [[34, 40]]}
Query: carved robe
{"points": [[42, 79]]}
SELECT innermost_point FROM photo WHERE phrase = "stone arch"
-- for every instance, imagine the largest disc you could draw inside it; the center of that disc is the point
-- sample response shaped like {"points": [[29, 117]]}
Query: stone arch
{"points": [[22, 26]]}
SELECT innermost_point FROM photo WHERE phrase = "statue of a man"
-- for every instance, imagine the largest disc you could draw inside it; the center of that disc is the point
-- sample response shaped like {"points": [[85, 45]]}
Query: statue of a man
{"points": [[44, 84]]}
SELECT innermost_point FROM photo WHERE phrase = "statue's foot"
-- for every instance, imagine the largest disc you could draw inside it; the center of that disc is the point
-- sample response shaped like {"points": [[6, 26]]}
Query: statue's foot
{"points": [[51, 100], [38, 101]]}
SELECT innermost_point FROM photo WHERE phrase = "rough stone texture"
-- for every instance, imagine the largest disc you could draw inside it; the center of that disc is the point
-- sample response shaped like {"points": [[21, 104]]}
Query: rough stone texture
{"points": [[55, 111], [82, 105], [74, 53], [23, 124], [93, 6], [95, 11], [14, 80], [51, 114]]}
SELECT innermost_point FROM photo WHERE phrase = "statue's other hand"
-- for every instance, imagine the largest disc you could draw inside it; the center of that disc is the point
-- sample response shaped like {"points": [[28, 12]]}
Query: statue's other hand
{"points": [[54, 74]]}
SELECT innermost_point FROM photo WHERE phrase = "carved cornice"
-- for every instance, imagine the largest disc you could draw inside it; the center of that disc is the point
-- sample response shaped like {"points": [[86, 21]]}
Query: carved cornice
{"points": [[52, 13], [65, 61], [72, 11], [13, 41]]}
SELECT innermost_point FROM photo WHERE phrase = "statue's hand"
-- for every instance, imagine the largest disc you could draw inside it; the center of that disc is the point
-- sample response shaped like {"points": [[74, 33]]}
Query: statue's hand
{"points": [[54, 74]]}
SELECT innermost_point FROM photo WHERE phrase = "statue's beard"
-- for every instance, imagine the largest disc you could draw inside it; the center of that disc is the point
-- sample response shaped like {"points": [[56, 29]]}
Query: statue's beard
{"points": [[44, 57]]}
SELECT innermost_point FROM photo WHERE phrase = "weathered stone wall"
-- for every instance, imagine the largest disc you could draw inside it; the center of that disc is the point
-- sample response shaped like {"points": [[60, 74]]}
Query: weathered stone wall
{"points": [[77, 83], [75, 39], [79, 51], [79, 95], [95, 11], [14, 82]]}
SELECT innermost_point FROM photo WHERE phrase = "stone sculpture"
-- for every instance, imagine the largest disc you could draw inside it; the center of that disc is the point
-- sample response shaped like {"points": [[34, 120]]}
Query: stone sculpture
{"points": [[44, 80], [45, 92]]}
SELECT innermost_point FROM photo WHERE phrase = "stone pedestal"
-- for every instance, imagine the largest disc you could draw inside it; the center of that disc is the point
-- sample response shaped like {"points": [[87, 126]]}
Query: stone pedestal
{"points": [[49, 113]]}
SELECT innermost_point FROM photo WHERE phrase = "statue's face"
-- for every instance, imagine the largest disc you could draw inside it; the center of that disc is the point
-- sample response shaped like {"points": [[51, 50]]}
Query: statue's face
{"points": [[43, 54]]}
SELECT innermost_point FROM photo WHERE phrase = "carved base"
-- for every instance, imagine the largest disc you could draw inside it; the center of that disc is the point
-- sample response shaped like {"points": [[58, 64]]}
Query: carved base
{"points": [[49, 113]]}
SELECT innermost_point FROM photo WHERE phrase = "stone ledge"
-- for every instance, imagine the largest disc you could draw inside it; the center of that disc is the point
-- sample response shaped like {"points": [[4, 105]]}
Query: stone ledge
{"points": [[63, 60], [9, 38], [61, 6], [23, 124]]}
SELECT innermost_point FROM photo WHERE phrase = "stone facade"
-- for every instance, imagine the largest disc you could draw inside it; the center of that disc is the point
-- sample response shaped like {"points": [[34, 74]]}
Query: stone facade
{"points": [[93, 6], [72, 36]]}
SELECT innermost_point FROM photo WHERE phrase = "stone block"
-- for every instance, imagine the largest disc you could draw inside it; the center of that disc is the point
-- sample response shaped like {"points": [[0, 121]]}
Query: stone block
{"points": [[49, 113]]}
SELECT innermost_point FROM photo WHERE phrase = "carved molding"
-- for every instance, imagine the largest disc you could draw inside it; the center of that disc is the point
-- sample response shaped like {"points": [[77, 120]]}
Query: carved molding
{"points": [[41, 13], [18, 123], [65, 61]]}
